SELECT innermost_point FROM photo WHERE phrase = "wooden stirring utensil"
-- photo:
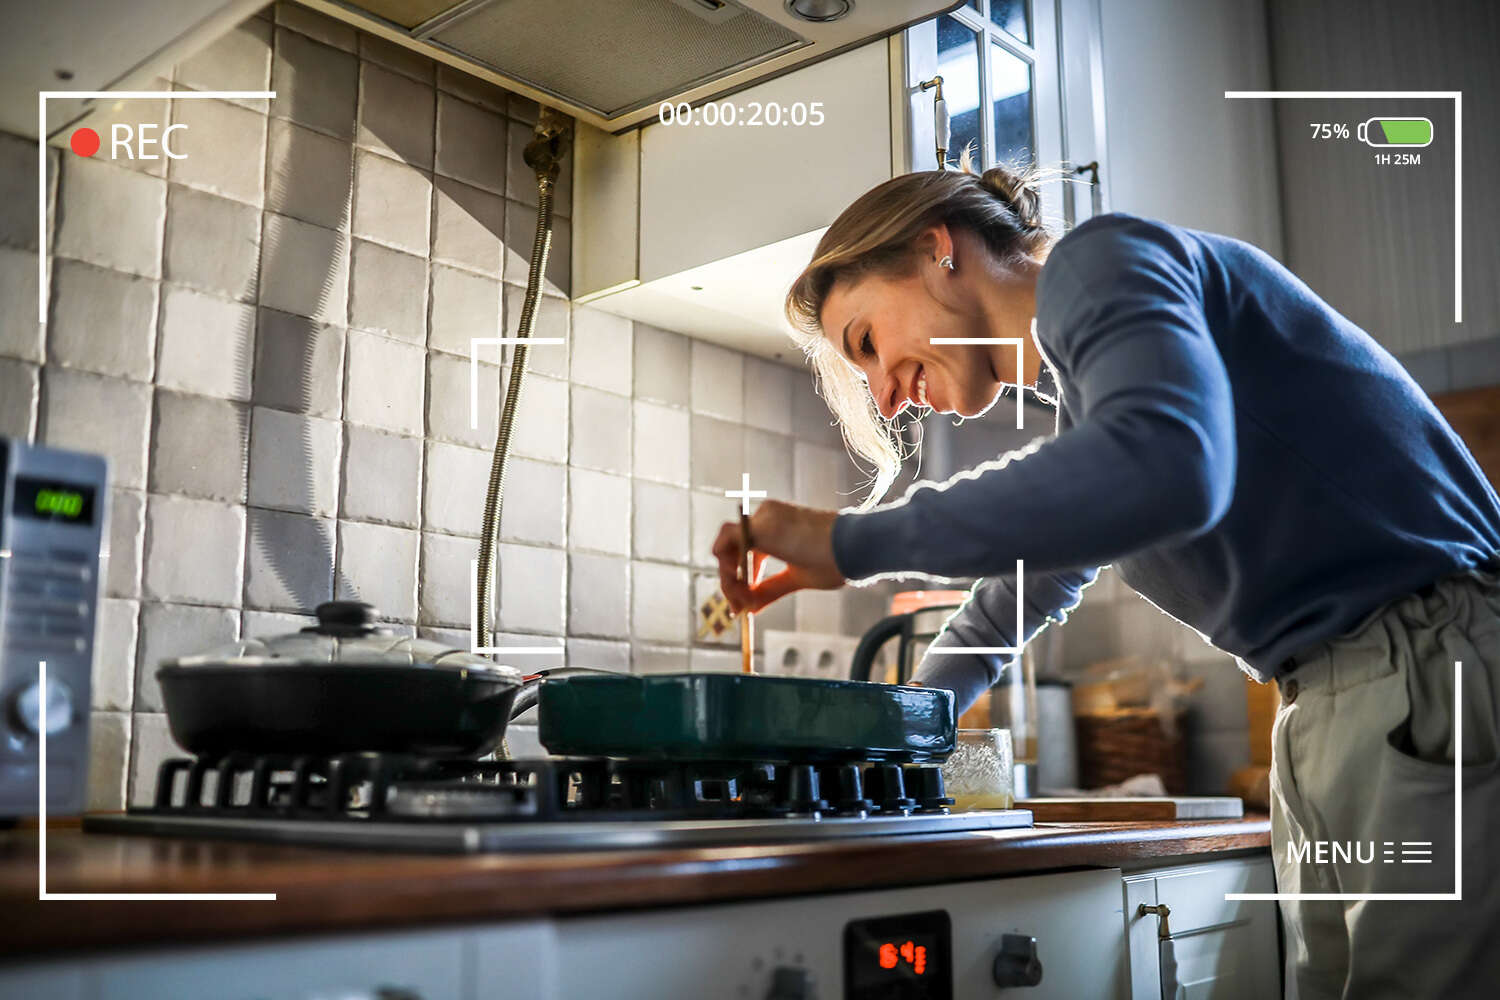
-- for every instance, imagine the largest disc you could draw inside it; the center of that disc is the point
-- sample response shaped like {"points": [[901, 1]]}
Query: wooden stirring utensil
{"points": [[747, 620]]}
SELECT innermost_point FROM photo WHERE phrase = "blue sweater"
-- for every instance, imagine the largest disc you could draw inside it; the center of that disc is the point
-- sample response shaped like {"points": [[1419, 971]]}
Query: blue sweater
{"points": [[1250, 461]]}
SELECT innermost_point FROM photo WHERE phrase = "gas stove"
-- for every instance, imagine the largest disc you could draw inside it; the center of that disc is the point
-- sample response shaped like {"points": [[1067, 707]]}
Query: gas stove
{"points": [[403, 802]]}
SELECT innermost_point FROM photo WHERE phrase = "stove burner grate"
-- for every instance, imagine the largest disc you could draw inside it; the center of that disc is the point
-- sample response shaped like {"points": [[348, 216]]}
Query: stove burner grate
{"points": [[372, 786]]}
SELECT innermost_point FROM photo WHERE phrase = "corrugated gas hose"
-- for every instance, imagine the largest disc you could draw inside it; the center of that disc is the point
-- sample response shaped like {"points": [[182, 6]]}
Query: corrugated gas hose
{"points": [[544, 153]]}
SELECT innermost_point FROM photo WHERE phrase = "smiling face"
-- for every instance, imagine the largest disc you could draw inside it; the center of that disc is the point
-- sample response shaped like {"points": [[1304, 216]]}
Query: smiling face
{"points": [[884, 326]]}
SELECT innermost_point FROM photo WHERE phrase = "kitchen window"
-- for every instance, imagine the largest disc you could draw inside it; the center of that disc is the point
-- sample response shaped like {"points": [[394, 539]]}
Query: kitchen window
{"points": [[996, 72]]}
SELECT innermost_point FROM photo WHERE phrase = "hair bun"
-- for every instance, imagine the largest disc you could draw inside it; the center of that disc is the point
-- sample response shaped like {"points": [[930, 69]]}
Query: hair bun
{"points": [[1018, 191]]}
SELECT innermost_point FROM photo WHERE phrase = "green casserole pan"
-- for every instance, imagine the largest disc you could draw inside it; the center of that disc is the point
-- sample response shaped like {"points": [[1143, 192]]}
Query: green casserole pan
{"points": [[743, 717]]}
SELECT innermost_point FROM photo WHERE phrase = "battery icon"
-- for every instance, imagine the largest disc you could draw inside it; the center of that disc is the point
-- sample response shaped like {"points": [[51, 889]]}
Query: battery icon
{"points": [[1396, 132]]}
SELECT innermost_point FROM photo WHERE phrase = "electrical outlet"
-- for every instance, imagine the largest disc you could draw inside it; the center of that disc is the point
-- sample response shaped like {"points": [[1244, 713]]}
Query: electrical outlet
{"points": [[809, 654]]}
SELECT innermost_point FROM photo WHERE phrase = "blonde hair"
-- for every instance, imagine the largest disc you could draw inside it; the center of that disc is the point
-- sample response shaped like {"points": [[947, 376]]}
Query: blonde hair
{"points": [[877, 234]]}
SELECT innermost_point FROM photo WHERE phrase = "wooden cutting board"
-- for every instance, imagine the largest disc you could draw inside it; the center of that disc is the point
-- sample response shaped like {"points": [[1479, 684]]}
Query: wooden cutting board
{"points": [[1091, 810]]}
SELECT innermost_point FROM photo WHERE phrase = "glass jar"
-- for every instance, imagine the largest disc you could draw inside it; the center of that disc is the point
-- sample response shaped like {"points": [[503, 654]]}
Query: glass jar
{"points": [[979, 774]]}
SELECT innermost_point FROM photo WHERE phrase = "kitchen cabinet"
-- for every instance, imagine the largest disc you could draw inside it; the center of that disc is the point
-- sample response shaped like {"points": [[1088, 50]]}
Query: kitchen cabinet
{"points": [[85, 45], [1224, 949], [700, 228]]}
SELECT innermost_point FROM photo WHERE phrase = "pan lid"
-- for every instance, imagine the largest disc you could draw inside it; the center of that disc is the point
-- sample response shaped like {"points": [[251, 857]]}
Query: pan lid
{"points": [[346, 633]]}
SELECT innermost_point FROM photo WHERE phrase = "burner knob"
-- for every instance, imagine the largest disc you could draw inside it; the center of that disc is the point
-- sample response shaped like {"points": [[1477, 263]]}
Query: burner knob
{"points": [[789, 983], [1017, 963], [848, 788], [884, 784], [26, 707], [802, 793], [926, 786]]}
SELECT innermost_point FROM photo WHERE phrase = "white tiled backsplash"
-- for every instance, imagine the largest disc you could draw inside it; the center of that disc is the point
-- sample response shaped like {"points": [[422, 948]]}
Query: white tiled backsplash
{"points": [[269, 340]]}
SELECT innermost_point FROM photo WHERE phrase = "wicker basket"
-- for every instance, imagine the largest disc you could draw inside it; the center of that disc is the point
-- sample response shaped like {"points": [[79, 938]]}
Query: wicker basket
{"points": [[1125, 742]]}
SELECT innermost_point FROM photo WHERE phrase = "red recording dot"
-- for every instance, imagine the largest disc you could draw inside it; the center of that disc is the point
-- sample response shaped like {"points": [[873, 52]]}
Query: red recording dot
{"points": [[85, 142]]}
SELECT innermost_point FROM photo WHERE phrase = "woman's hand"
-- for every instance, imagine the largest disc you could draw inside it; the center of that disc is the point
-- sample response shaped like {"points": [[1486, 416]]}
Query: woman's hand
{"points": [[801, 537]]}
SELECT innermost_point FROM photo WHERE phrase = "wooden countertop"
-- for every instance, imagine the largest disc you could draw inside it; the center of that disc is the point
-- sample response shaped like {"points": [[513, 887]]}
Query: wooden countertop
{"points": [[326, 891]]}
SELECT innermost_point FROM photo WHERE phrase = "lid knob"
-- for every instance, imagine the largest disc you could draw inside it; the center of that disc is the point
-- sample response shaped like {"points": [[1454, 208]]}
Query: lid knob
{"points": [[345, 618]]}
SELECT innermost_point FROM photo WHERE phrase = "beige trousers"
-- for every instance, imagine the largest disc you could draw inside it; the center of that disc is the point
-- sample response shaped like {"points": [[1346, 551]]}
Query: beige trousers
{"points": [[1362, 782]]}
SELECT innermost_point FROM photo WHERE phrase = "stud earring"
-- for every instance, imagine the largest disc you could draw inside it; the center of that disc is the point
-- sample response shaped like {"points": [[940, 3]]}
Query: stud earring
{"points": [[946, 261]]}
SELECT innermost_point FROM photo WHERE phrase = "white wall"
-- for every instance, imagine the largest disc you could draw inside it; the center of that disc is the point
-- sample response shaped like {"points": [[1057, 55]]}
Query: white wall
{"points": [[1177, 150]]}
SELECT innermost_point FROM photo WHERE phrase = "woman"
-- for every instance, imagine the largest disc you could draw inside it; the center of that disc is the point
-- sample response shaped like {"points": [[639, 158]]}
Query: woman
{"points": [[1250, 462]]}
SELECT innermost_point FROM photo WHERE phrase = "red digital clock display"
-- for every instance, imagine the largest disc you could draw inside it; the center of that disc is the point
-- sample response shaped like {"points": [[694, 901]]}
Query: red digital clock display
{"points": [[904, 957]]}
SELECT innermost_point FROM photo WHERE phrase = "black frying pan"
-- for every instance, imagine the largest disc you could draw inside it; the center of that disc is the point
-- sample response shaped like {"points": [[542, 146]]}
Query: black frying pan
{"points": [[324, 708]]}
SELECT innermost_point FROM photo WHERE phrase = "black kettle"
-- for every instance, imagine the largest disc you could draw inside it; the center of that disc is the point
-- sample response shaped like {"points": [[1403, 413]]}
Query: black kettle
{"points": [[915, 631]]}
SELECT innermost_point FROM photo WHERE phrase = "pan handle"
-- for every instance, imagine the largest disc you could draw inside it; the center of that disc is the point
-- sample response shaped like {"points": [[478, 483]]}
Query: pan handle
{"points": [[531, 687]]}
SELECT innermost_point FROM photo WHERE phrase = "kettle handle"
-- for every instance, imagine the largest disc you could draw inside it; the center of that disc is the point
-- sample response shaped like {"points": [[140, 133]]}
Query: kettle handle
{"points": [[869, 644]]}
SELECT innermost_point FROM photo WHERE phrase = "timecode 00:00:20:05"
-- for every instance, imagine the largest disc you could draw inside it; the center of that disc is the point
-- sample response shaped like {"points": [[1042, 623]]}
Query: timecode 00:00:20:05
{"points": [[751, 113]]}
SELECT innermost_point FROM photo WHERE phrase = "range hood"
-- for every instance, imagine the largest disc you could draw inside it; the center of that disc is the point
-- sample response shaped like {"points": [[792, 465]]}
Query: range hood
{"points": [[612, 63]]}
